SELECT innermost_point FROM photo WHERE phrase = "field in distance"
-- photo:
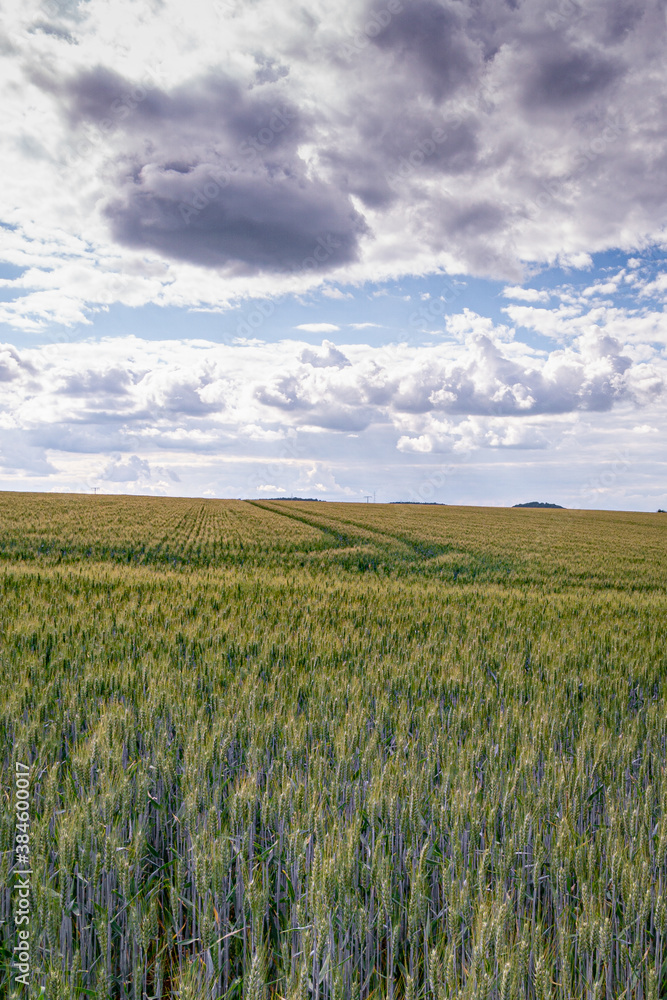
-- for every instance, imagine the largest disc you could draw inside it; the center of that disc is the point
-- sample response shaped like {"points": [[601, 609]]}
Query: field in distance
{"points": [[455, 544], [335, 751]]}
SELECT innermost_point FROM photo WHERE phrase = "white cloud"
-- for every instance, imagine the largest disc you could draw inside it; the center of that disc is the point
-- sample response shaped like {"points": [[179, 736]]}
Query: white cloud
{"points": [[423, 443], [318, 327], [577, 260], [526, 294], [656, 288], [173, 415], [601, 288], [328, 357], [131, 469]]}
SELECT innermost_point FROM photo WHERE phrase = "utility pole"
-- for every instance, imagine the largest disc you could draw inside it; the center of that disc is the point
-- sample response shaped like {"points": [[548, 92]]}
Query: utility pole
{"points": [[95, 489], [367, 499]]}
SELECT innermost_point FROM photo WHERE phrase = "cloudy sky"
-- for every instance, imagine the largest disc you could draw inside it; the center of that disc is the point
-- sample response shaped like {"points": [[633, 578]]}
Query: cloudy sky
{"points": [[262, 248]]}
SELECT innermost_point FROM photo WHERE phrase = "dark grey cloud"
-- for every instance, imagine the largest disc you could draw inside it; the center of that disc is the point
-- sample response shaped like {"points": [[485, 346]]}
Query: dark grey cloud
{"points": [[387, 152], [431, 37], [569, 79], [210, 173], [362, 173], [265, 221], [210, 110], [622, 18], [476, 218]]}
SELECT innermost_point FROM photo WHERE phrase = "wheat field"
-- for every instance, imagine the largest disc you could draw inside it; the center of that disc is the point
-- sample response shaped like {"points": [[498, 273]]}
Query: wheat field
{"points": [[334, 751]]}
